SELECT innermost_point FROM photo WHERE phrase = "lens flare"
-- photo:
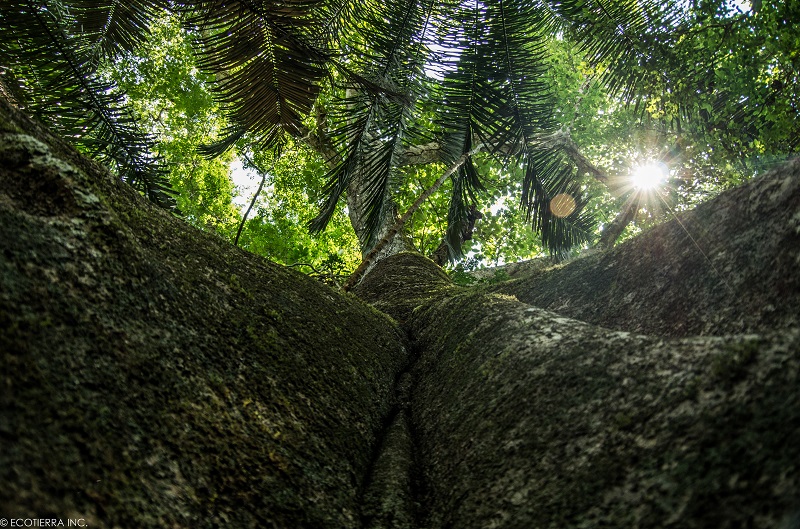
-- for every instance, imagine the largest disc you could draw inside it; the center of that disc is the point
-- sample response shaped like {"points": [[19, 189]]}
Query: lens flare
{"points": [[562, 205], [650, 175]]}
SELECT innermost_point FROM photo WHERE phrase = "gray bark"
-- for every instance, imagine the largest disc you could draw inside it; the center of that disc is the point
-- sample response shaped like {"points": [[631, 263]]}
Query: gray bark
{"points": [[524, 418], [155, 376]]}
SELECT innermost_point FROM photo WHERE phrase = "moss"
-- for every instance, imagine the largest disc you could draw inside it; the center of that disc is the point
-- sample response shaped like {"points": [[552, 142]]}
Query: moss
{"points": [[730, 365], [234, 283], [622, 420], [402, 282], [691, 390], [529, 419], [155, 376]]}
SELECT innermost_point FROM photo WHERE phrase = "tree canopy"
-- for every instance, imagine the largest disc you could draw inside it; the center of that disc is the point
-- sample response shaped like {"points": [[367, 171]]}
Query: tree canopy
{"points": [[517, 108]]}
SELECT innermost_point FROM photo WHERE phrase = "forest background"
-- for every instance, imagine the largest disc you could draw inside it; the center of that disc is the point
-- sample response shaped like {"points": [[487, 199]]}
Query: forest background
{"points": [[697, 135]]}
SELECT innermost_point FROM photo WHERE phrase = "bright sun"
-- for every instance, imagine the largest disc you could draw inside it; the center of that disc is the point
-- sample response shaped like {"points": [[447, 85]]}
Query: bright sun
{"points": [[649, 175]]}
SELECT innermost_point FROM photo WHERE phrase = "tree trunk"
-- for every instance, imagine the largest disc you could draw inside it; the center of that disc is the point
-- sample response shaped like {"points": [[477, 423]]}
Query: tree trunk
{"points": [[728, 266], [154, 375], [525, 418], [614, 229], [355, 208]]}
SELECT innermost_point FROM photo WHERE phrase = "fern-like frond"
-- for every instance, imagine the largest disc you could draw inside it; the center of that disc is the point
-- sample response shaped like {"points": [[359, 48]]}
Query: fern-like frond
{"points": [[112, 27], [496, 95], [628, 39], [374, 124], [58, 76], [267, 61], [554, 203], [353, 134], [466, 182]]}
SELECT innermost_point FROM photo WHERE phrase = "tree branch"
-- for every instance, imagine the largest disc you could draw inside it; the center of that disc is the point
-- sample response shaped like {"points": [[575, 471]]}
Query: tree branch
{"points": [[321, 143], [255, 196], [432, 153], [398, 225]]}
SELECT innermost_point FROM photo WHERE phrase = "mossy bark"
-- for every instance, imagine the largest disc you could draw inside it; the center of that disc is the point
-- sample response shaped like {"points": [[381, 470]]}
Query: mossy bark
{"points": [[154, 375], [524, 418], [528, 419]]}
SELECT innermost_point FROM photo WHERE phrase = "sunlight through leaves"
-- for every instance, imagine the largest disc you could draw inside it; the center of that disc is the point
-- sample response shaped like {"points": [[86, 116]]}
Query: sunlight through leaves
{"points": [[649, 175]]}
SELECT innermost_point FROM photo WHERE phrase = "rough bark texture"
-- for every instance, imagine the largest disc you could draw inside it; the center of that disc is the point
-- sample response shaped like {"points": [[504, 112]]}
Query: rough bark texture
{"points": [[535, 420], [524, 418], [155, 376], [730, 265]]}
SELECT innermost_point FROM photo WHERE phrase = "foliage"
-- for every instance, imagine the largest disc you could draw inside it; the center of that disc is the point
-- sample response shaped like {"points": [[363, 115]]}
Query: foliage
{"points": [[460, 275], [278, 231], [713, 131], [701, 85], [170, 96], [54, 51]]}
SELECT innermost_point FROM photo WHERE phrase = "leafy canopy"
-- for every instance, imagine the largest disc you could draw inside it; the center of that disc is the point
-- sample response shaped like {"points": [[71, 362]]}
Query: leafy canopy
{"points": [[504, 91]]}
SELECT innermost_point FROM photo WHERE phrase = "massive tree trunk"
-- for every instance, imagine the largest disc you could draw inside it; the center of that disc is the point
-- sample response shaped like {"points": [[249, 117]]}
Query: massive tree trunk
{"points": [[155, 376], [526, 418]]}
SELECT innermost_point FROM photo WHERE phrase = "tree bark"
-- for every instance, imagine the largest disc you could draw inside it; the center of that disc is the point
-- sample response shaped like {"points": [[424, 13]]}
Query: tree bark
{"points": [[154, 375], [728, 266], [524, 418]]}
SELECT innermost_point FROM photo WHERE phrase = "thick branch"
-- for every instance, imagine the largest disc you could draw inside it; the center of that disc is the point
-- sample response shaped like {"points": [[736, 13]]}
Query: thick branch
{"points": [[614, 229], [583, 164], [322, 144], [421, 154]]}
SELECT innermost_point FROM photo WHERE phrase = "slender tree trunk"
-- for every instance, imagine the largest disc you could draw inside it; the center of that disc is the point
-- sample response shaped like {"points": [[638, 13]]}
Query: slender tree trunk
{"points": [[355, 208], [615, 228]]}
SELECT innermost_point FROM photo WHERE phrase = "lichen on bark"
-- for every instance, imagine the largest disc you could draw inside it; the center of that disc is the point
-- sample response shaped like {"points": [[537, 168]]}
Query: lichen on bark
{"points": [[529, 419]]}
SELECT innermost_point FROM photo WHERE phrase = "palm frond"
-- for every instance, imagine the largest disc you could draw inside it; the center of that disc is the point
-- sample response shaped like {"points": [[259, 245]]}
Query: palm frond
{"points": [[56, 67], [353, 134], [554, 203], [466, 182], [497, 96], [267, 61], [374, 124], [112, 27]]}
